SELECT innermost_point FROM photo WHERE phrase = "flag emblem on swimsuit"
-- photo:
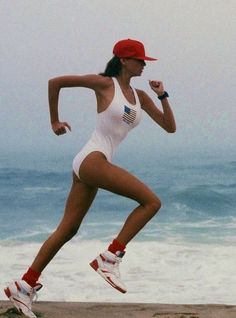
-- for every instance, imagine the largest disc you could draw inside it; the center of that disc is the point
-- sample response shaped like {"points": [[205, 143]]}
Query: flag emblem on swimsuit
{"points": [[129, 115]]}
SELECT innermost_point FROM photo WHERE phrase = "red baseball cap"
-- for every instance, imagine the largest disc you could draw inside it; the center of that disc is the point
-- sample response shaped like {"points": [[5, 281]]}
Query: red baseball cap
{"points": [[131, 48]]}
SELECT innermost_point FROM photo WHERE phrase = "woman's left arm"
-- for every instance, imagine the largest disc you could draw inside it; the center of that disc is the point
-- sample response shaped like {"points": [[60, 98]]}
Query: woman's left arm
{"points": [[163, 118]]}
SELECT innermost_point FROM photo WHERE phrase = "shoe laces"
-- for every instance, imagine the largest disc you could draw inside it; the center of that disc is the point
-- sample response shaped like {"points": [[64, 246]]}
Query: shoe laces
{"points": [[33, 292], [115, 266]]}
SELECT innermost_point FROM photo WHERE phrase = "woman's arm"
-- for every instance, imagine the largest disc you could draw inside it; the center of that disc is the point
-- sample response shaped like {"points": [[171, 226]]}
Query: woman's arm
{"points": [[54, 86], [163, 118]]}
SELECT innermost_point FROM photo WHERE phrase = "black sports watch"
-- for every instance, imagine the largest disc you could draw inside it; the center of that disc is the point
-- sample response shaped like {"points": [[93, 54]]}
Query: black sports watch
{"points": [[164, 95]]}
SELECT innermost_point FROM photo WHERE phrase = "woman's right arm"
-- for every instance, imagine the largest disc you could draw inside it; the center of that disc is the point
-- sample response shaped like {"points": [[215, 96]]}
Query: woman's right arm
{"points": [[54, 86]]}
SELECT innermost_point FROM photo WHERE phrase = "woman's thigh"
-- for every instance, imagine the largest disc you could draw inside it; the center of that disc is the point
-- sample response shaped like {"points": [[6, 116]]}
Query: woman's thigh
{"points": [[97, 172], [78, 202]]}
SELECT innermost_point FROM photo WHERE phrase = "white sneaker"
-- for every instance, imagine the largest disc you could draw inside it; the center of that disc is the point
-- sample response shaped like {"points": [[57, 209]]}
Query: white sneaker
{"points": [[21, 295], [107, 265]]}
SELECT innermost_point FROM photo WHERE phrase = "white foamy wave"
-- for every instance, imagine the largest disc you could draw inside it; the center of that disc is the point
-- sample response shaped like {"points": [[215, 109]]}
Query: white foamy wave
{"points": [[153, 272]]}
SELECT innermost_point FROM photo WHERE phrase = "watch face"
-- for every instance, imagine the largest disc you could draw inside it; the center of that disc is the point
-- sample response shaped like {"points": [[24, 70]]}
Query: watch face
{"points": [[163, 96]]}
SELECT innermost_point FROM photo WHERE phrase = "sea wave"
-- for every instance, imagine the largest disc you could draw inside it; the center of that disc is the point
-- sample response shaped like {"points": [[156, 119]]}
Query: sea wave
{"points": [[207, 199], [163, 272], [198, 202]]}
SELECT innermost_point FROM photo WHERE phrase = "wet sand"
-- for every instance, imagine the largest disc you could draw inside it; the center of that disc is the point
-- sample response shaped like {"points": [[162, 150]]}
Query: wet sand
{"points": [[121, 310]]}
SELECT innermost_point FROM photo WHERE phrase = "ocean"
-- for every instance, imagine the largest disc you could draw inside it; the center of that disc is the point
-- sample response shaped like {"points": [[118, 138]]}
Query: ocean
{"points": [[186, 254]]}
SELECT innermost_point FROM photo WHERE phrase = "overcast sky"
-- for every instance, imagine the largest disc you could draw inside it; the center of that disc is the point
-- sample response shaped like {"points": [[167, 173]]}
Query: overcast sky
{"points": [[195, 41]]}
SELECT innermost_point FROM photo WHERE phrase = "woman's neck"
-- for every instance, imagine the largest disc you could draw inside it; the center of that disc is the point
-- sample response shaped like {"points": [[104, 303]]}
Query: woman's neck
{"points": [[124, 80]]}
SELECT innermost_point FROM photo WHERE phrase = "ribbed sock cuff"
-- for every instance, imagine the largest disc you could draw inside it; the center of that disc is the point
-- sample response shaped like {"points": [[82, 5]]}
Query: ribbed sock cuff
{"points": [[31, 277], [116, 246]]}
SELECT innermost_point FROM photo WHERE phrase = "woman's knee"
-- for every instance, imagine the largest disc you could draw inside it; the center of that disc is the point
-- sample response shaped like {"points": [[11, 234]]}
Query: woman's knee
{"points": [[72, 231], [153, 205], [66, 233]]}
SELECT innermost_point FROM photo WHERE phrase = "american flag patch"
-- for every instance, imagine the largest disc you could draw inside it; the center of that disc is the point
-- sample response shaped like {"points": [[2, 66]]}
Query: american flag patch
{"points": [[129, 115]]}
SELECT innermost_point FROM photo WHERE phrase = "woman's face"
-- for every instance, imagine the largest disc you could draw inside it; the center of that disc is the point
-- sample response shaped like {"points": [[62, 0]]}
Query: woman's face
{"points": [[134, 66]]}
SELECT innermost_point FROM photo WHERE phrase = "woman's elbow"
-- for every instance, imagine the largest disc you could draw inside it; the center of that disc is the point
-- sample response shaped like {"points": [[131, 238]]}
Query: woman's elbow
{"points": [[171, 130], [51, 82], [54, 83]]}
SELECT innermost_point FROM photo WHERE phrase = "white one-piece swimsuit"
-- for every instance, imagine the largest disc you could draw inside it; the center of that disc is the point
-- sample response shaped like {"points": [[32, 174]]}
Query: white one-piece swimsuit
{"points": [[112, 126]]}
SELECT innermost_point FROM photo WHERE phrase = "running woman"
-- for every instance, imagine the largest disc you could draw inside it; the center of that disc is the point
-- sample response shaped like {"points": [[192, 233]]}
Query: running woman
{"points": [[119, 108]]}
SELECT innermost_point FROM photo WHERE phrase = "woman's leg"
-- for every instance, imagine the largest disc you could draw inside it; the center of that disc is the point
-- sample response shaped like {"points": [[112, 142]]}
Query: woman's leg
{"points": [[79, 200], [97, 172]]}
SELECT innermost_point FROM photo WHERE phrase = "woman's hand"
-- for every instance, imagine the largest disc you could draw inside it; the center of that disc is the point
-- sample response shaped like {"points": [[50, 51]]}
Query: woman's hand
{"points": [[59, 128], [157, 87]]}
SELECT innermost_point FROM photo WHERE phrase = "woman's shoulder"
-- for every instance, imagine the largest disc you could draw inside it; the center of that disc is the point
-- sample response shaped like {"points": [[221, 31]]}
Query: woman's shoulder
{"points": [[141, 95], [99, 81], [105, 80]]}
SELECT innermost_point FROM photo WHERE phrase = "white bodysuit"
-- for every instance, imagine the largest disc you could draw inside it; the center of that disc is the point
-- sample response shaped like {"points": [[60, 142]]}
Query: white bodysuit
{"points": [[112, 126]]}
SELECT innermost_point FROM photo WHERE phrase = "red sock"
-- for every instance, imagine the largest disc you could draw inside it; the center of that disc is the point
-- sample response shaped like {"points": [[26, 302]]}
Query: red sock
{"points": [[31, 277], [116, 246]]}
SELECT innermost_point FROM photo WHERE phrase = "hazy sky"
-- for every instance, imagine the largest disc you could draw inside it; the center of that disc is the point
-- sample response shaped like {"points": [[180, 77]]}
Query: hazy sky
{"points": [[195, 41]]}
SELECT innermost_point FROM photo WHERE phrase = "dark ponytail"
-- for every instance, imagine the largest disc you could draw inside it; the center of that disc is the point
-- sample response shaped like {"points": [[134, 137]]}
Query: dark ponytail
{"points": [[113, 67]]}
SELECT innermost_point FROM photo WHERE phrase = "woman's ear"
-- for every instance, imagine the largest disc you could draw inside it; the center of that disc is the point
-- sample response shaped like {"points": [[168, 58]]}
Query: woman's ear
{"points": [[123, 61]]}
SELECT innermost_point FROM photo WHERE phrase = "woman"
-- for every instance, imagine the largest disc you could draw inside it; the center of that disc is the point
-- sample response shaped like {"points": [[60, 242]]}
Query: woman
{"points": [[118, 111]]}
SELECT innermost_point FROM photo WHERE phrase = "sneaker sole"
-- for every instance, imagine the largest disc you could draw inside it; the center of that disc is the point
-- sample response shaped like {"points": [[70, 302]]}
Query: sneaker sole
{"points": [[94, 265], [14, 302], [9, 296]]}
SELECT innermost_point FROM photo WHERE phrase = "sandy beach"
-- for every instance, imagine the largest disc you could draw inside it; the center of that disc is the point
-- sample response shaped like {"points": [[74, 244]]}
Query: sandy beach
{"points": [[121, 310]]}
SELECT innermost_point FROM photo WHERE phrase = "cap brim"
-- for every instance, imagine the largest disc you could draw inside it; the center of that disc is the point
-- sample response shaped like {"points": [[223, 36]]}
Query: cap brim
{"points": [[146, 58]]}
